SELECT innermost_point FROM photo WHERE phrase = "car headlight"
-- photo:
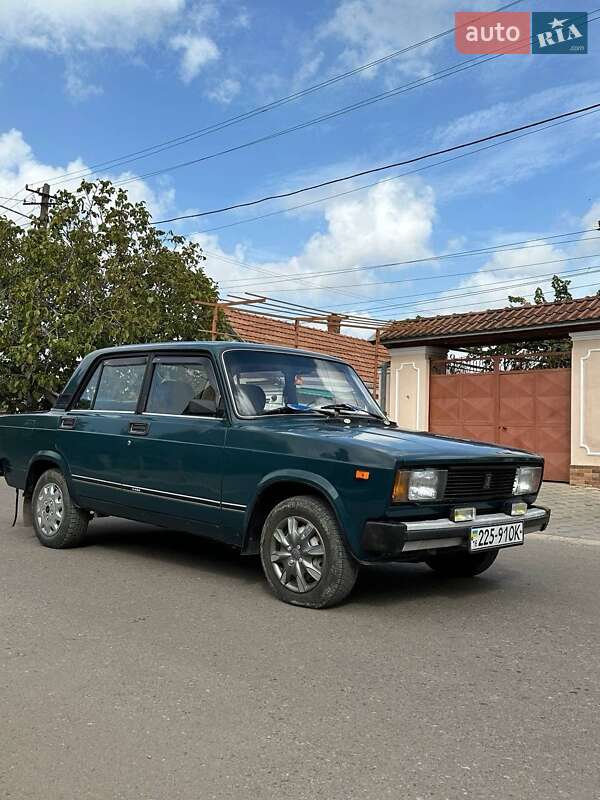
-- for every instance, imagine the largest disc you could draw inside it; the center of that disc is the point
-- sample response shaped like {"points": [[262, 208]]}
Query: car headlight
{"points": [[419, 484], [527, 480]]}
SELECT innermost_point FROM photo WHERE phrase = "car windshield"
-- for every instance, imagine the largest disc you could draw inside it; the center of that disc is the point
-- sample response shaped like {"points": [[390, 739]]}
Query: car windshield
{"points": [[266, 382]]}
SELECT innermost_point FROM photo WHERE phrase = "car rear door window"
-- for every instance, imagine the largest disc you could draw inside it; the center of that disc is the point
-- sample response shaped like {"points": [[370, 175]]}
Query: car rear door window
{"points": [[114, 386], [184, 386]]}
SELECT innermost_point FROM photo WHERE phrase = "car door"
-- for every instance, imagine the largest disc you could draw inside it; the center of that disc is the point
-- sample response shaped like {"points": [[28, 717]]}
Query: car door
{"points": [[178, 442], [94, 435]]}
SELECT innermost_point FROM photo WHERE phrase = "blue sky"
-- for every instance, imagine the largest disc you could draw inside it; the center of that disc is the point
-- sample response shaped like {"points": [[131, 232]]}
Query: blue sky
{"points": [[83, 83]]}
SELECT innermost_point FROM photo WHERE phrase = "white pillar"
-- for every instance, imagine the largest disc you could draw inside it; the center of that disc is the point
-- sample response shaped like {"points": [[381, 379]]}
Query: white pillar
{"points": [[408, 401], [585, 409]]}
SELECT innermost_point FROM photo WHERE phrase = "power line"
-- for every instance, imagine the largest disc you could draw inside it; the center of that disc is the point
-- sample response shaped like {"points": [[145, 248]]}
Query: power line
{"points": [[524, 244], [433, 77], [303, 125], [250, 282], [396, 281], [383, 180], [14, 211], [478, 272], [478, 303], [493, 286], [445, 72], [246, 115], [273, 303], [373, 170], [283, 306]]}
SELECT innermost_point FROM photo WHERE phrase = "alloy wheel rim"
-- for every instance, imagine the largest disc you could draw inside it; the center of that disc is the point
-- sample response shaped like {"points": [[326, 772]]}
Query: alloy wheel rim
{"points": [[49, 509], [297, 554]]}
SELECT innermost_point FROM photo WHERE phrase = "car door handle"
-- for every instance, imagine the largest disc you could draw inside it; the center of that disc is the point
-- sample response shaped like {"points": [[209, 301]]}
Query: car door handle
{"points": [[138, 428], [67, 422]]}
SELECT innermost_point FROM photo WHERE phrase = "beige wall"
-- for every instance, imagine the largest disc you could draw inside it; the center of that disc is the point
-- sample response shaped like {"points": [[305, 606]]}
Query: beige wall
{"points": [[585, 399], [408, 391]]}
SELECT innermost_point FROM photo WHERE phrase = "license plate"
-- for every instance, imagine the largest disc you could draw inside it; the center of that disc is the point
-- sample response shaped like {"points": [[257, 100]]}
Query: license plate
{"points": [[496, 536]]}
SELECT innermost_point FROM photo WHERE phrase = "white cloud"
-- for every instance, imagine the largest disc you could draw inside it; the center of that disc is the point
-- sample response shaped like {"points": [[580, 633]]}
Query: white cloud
{"points": [[64, 26], [74, 28], [196, 52], [389, 222], [225, 91], [370, 29], [504, 162], [527, 108], [520, 272], [77, 87], [592, 218], [18, 166], [241, 19]]}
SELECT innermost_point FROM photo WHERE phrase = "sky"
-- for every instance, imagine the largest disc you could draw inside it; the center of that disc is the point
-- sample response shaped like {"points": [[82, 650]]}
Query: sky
{"points": [[86, 84]]}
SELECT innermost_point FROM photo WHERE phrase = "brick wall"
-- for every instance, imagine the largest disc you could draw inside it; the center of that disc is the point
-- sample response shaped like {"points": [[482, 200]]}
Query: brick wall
{"points": [[585, 476]]}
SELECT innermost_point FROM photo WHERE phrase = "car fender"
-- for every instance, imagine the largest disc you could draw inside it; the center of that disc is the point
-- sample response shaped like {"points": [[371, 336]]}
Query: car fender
{"points": [[312, 481], [56, 458]]}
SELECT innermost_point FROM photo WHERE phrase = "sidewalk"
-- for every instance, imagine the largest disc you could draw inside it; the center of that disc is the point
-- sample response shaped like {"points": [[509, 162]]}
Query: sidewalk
{"points": [[575, 510]]}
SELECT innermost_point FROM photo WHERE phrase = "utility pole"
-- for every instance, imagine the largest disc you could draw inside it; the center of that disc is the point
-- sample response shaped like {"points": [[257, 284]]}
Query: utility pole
{"points": [[44, 203]]}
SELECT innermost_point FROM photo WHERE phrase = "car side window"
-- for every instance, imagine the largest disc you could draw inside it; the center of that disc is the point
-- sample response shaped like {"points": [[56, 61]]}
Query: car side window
{"points": [[184, 386], [114, 386]]}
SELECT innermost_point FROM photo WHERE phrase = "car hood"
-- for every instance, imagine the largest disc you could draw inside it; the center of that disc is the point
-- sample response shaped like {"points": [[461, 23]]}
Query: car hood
{"points": [[400, 444]]}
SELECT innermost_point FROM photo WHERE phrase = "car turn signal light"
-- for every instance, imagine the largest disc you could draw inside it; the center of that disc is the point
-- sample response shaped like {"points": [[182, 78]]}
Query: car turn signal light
{"points": [[362, 475], [400, 490]]}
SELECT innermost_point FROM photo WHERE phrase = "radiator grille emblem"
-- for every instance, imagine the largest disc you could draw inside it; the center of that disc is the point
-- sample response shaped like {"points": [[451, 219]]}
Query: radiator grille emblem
{"points": [[487, 481]]}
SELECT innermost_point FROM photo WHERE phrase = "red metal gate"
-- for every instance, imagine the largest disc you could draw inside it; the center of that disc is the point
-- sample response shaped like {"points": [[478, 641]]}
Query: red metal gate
{"points": [[519, 401]]}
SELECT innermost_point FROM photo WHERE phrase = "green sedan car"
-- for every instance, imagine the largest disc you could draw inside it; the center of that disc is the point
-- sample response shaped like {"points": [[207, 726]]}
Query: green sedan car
{"points": [[278, 452]]}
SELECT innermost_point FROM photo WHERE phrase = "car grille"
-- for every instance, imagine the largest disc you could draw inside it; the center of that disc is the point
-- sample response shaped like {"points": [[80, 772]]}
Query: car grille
{"points": [[479, 483]]}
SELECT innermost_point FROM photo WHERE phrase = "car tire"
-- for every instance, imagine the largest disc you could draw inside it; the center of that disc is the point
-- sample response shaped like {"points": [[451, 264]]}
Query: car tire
{"points": [[462, 565], [304, 556], [57, 521]]}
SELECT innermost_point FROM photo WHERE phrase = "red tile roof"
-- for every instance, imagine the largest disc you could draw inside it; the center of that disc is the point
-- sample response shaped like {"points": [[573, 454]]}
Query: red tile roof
{"points": [[572, 314], [261, 329]]}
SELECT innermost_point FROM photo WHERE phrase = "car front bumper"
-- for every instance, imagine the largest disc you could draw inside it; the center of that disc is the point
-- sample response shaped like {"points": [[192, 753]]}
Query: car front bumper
{"points": [[386, 540]]}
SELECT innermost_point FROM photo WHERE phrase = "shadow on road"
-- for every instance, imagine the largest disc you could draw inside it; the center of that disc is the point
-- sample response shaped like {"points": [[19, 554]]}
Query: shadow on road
{"points": [[383, 584]]}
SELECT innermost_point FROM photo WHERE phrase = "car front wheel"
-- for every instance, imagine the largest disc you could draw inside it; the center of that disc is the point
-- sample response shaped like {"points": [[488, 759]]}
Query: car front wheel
{"points": [[462, 565], [57, 521], [304, 556]]}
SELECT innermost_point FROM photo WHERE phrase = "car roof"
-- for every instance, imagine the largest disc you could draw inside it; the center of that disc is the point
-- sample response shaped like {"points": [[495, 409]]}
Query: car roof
{"points": [[216, 347]]}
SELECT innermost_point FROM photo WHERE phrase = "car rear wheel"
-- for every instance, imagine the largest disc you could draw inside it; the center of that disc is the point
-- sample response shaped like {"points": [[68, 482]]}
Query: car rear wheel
{"points": [[462, 565], [304, 556], [57, 521]]}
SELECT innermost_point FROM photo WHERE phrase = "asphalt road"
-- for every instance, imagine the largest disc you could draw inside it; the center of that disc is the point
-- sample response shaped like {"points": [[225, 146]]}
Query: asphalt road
{"points": [[155, 665]]}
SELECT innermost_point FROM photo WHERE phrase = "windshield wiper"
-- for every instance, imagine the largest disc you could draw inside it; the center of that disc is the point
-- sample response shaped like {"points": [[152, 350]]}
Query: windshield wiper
{"points": [[347, 407], [289, 409]]}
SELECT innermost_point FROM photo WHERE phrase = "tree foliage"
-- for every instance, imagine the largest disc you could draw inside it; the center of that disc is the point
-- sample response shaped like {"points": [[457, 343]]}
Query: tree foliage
{"points": [[98, 274], [562, 293], [561, 289]]}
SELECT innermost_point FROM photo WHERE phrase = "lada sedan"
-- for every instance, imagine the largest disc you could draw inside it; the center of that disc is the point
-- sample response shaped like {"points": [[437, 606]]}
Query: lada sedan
{"points": [[278, 452]]}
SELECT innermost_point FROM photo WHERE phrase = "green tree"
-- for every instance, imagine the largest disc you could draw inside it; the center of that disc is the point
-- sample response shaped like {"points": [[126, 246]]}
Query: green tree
{"points": [[98, 274], [559, 286], [562, 293]]}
